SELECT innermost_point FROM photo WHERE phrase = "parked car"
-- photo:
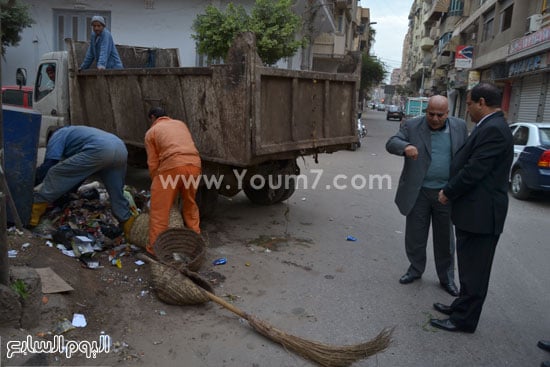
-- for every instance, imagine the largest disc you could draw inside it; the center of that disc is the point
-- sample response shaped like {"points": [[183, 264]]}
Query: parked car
{"points": [[381, 107], [531, 166], [13, 95], [394, 112]]}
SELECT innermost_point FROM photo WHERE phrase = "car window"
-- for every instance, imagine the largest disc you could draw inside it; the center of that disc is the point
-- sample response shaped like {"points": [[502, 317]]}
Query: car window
{"points": [[13, 97], [521, 136], [45, 83], [544, 136]]}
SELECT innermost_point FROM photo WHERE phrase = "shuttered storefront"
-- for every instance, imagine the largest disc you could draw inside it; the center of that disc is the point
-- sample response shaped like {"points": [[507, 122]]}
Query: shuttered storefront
{"points": [[530, 98]]}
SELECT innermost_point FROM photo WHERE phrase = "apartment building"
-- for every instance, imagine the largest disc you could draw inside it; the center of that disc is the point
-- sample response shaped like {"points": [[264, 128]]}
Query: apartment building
{"points": [[457, 43], [336, 27]]}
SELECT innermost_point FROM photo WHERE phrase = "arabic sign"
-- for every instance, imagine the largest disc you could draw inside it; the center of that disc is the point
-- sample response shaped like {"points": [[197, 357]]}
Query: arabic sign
{"points": [[464, 57], [529, 41]]}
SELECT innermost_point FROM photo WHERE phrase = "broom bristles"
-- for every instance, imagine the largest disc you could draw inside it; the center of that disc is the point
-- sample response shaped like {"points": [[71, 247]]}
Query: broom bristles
{"points": [[324, 354]]}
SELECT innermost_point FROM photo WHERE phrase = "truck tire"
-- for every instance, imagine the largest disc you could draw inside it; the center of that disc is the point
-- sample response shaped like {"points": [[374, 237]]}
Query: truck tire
{"points": [[264, 195], [290, 190], [207, 200]]}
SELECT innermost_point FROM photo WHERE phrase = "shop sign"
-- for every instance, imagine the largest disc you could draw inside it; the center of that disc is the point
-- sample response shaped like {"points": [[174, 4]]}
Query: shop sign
{"points": [[529, 41], [528, 64]]}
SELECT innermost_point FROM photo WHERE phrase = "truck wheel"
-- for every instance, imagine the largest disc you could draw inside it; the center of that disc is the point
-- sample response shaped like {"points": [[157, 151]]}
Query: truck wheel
{"points": [[207, 200], [518, 187], [264, 195], [290, 190]]}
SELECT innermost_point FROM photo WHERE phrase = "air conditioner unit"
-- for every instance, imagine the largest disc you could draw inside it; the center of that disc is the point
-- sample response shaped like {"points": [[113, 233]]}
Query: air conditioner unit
{"points": [[533, 24]]}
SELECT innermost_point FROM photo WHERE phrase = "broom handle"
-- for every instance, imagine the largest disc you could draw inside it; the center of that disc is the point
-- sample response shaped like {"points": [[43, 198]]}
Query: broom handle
{"points": [[210, 295]]}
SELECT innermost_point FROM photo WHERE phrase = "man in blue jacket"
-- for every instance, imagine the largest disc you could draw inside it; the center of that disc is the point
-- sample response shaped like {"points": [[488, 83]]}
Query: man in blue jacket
{"points": [[478, 192], [102, 48], [73, 154]]}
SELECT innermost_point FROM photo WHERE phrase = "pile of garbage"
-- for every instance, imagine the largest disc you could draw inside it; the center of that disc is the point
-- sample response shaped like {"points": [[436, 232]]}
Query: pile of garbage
{"points": [[81, 224]]}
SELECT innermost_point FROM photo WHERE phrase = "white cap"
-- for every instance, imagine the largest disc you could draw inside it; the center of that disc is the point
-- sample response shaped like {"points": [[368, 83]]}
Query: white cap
{"points": [[98, 18]]}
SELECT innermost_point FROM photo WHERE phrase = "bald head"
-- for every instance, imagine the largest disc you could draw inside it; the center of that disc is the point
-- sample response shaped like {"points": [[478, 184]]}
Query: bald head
{"points": [[436, 113]]}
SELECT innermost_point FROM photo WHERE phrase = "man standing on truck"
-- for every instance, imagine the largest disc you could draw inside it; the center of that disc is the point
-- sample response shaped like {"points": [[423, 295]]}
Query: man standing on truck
{"points": [[102, 48], [174, 165], [428, 143], [73, 154]]}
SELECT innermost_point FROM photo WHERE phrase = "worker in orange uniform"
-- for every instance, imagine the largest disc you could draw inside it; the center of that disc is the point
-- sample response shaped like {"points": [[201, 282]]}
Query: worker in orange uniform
{"points": [[174, 165]]}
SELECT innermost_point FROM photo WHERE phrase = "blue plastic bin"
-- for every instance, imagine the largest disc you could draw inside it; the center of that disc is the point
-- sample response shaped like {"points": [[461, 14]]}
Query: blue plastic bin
{"points": [[21, 132]]}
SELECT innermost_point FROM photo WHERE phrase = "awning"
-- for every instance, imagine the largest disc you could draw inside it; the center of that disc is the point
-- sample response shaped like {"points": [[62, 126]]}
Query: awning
{"points": [[442, 6]]}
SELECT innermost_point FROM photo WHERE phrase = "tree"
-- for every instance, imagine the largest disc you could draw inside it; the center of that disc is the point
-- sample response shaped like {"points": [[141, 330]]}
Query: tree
{"points": [[373, 71], [273, 22], [14, 18]]}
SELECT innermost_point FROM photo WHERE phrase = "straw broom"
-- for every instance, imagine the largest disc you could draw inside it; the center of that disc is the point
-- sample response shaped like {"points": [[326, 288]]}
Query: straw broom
{"points": [[323, 354]]}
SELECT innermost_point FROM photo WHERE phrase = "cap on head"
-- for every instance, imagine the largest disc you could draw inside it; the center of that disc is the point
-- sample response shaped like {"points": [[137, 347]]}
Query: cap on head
{"points": [[98, 18]]}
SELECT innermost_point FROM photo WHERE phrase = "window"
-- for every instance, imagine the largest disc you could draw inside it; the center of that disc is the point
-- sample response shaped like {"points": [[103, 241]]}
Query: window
{"points": [[456, 8], [12, 97], [45, 81], [488, 25], [521, 136], [506, 18], [75, 24]]}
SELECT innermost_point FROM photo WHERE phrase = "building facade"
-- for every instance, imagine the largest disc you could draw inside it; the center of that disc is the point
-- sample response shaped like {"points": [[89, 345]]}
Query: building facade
{"points": [[336, 26], [457, 43]]}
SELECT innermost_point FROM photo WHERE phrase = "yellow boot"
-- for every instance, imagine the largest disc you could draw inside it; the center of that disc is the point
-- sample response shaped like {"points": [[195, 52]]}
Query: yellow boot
{"points": [[127, 226], [37, 210]]}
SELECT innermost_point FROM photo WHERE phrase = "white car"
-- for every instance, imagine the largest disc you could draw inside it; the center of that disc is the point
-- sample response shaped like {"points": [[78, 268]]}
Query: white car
{"points": [[531, 165]]}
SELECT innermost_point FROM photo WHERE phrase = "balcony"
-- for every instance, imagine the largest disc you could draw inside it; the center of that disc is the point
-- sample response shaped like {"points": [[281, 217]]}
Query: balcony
{"points": [[438, 7], [330, 45], [343, 4], [426, 43], [442, 61]]}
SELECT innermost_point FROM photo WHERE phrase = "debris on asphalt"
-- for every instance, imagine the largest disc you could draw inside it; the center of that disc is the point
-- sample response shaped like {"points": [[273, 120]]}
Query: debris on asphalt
{"points": [[79, 320], [220, 261], [351, 238]]}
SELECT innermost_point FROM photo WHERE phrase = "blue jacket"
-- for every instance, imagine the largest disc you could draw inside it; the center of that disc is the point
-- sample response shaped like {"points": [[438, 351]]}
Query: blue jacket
{"points": [[102, 49]]}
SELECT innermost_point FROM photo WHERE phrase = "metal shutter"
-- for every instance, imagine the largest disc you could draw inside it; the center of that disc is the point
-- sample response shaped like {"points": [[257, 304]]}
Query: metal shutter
{"points": [[546, 114], [529, 99]]}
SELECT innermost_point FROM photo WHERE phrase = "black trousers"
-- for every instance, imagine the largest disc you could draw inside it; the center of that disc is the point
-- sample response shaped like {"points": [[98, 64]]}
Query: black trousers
{"points": [[475, 253]]}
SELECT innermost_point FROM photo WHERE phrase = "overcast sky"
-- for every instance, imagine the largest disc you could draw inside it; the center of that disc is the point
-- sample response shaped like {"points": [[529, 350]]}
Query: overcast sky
{"points": [[392, 21]]}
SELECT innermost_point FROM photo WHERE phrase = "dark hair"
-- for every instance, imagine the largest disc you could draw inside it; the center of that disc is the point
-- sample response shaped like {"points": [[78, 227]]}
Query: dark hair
{"points": [[488, 91], [50, 68], [157, 112]]}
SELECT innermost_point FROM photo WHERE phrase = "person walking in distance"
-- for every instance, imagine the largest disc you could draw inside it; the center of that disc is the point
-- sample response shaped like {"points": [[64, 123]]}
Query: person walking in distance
{"points": [[172, 158], [427, 144], [478, 192]]}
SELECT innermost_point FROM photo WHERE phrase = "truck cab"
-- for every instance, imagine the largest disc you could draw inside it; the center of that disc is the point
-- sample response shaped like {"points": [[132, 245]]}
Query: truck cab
{"points": [[51, 93]]}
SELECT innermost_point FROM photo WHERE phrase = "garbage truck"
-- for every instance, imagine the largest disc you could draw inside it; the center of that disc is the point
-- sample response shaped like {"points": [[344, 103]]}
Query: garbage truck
{"points": [[250, 122]]}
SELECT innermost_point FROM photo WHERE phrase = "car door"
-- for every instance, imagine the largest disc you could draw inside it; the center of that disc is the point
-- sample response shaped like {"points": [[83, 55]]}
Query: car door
{"points": [[521, 137]]}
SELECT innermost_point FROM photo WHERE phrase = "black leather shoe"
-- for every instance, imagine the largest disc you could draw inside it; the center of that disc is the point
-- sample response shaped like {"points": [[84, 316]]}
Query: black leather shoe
{"points": [[408, 278], [447, 325], [444, 309], [544, 344], [450, 288]]}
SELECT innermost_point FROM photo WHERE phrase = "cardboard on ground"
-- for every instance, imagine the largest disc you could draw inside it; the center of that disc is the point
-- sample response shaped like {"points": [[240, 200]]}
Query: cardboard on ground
{"points": [[51, 282]]}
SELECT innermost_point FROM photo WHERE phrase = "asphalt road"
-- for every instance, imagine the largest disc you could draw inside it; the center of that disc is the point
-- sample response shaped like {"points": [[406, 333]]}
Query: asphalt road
{"points": [[315, 284], [326, 288]]}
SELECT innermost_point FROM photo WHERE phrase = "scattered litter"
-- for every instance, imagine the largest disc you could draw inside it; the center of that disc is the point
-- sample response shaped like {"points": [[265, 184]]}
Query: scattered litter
{"points": [[79, 320], [143, 293], [162, 313], [15, 230], [399, 232], [267, 250], [157, 342], [45, 300], [351, 238], [49, 243], [51, 282], [139, 262], [117, 263], [63, 326], [12, 253], [90, 262], [303, 199], [246, 264], [220, 261], [373, 153]]}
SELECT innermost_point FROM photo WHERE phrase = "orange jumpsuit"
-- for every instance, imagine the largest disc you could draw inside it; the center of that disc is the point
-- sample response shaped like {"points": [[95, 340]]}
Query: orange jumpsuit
{"points": [[175, 166]]}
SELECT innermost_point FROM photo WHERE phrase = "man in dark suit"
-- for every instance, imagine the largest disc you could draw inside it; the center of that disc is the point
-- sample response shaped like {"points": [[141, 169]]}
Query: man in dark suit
{"points": [[428, 144], [478, 191]]}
